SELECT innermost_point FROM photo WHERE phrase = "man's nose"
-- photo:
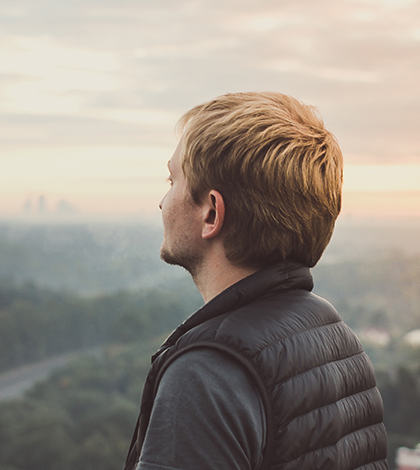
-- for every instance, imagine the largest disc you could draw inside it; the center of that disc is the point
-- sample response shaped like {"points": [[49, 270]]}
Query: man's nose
{"points": [[161, 202]]}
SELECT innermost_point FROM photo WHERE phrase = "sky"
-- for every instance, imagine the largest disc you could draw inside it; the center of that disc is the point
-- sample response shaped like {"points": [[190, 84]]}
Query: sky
{"points": [[91, 92]]}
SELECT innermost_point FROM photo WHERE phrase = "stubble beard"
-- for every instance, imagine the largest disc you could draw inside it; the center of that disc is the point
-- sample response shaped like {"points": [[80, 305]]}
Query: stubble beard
{"points": [[185, 258]]}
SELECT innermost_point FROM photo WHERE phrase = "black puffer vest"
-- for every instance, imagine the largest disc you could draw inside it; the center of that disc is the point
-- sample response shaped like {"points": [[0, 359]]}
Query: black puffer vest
{"points": [[323, 410]]}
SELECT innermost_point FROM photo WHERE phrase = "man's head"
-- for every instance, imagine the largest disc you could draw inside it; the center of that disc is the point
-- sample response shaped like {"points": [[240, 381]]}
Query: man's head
{"points": [[277, 168]]}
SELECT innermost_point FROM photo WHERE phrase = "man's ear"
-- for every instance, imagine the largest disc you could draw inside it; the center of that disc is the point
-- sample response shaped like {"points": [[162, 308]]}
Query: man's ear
{"points": [[214, 215]]}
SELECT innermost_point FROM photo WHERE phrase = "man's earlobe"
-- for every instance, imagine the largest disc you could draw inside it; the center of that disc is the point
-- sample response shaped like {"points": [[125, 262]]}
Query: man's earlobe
{"points": [[214, 216]]}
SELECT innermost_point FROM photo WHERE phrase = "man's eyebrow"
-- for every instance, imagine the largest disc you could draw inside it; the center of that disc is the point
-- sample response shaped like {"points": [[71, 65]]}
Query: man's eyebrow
{"points": [[169, 165]]}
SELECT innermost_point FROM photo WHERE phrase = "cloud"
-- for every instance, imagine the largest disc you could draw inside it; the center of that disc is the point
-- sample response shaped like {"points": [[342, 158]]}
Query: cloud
{"points": [[55, 130], [102, 72]]}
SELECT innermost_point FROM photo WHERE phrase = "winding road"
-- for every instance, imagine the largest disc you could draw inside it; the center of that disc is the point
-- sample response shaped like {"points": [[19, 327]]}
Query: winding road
{"points": [[14, 383]]}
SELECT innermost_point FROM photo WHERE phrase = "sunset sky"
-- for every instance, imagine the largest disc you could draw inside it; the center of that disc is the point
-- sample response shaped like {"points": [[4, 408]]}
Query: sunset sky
{"points": [[91, 91]]}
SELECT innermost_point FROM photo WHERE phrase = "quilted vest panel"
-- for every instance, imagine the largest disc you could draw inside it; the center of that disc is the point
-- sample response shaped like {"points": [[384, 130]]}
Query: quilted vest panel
{"points": [[322, 407]]}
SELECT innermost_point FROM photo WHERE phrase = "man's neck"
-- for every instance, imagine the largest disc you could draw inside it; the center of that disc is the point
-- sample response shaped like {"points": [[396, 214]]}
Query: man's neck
{"points": [[214, 276]]}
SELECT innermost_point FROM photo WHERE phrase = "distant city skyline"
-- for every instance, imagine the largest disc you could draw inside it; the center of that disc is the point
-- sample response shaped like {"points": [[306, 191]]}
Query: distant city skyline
{"points": [[41, 206], [368, 190], [91, 92]]}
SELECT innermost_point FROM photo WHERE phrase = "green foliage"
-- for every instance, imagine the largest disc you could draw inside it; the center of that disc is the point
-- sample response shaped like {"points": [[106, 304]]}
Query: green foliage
{"points": [[400, 390], [401, 395], [37, 323], [82, 417], [33, 434], [382, 293]]}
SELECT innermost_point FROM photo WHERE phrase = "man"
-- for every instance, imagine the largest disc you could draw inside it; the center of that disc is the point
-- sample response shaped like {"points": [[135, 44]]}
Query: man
{"points": [[265, 375]]}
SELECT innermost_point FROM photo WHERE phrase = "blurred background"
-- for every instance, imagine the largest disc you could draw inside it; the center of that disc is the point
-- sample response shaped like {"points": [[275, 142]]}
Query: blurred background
{"points": [[90, 95]]}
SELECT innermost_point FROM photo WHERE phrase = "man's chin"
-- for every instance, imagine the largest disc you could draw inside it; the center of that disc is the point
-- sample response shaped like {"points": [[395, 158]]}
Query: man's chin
{"points": [[170, 258], [189, 263], [166, 256]]}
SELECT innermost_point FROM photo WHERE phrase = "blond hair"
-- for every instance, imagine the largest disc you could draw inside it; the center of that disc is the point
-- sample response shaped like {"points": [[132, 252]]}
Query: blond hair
{"points": [[278, 169]]}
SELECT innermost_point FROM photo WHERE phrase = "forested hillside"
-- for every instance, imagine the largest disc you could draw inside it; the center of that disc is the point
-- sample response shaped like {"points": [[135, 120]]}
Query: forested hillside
{"points": [[81, 418], [83, 415], [36, 323], [382, 292], [69, 288]]}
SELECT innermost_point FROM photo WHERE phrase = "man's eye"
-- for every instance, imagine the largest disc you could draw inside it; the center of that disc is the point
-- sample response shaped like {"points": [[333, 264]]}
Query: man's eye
{"points": [[169, 180]]}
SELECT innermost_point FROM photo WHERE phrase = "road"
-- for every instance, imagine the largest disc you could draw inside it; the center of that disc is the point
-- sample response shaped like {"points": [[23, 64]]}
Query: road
{"points": [[14, 383]]}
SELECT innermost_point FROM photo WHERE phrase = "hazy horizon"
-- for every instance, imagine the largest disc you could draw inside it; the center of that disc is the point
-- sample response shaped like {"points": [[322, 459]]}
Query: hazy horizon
{"points": [[91, 93]]}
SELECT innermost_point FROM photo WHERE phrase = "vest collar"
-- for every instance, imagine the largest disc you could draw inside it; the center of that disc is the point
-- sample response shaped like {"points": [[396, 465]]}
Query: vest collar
{"points": [[277, 278]]}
